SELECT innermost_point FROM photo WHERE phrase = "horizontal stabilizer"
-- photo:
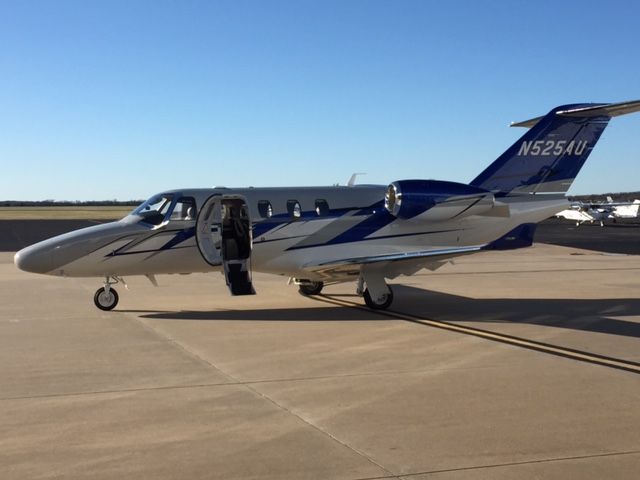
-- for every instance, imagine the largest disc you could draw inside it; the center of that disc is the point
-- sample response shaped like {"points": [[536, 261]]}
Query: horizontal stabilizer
{"points": [[599, 110]]}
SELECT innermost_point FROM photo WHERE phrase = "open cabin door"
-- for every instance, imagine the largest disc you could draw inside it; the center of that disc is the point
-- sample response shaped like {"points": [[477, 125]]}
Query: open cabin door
{"points": [[223, 235]]}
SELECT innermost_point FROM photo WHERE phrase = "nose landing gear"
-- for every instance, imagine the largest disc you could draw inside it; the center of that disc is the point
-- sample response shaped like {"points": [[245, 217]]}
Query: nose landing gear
{"points": [[106, 298]]}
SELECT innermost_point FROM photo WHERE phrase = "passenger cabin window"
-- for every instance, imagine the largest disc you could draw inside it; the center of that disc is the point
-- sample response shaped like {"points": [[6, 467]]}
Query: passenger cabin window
{"points": [[154, 210], [264, 209], [185, 209], [293, 207], [322, 207]]}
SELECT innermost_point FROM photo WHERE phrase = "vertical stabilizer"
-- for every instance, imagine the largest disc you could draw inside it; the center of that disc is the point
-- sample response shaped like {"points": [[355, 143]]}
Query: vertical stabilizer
{"points": [[549, 156]]}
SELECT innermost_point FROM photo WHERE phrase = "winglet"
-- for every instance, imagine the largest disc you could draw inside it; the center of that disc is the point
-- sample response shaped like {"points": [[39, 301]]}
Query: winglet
{"points": [[352, 180]]}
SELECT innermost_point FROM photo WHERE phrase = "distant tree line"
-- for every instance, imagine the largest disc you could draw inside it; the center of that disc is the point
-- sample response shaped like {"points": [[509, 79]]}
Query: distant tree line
{"points": [[602, 197], [69, 203], [599, 197]]}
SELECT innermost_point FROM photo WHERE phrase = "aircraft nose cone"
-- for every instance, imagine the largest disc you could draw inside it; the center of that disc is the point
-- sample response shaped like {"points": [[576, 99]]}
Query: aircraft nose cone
{"points": [[33, 259]]}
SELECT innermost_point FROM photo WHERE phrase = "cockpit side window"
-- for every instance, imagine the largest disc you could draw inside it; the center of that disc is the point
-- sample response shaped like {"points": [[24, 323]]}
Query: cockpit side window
{"points": [[154, 210], [185, 209]]}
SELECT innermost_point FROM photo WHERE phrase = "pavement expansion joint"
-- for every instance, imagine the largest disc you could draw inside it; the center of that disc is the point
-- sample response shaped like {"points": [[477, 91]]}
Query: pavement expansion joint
{"points": [[181, 347], [381, 373], [246, 383], [321, 430], [524, 462], [265, 397], [120, 390]]}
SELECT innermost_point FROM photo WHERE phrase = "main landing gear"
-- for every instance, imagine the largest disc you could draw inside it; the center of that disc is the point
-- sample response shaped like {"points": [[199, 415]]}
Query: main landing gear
{"points": [[371, 286], [375, 291], [308, 287], [106, 298], [380, 303]]}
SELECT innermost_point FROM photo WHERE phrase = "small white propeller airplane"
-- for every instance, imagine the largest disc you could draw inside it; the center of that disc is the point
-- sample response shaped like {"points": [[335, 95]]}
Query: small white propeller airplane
{"points": [[316, 235], [582, 212]]}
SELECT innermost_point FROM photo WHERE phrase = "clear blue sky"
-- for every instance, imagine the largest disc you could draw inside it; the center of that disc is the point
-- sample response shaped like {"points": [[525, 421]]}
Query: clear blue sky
{"points": [[102, 100]]}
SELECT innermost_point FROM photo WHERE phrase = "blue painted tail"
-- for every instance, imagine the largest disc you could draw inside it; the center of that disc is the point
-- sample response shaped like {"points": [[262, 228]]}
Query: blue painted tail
{"points": [[549, 156]]}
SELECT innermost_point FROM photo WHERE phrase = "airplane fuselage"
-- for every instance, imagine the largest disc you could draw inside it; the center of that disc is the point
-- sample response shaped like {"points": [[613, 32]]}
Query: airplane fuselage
{"points": [[354, 225]]}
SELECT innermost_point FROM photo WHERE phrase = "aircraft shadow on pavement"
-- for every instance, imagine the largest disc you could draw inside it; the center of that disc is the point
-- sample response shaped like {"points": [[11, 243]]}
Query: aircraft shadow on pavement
{"points": [[312, 314], [591, 315]]}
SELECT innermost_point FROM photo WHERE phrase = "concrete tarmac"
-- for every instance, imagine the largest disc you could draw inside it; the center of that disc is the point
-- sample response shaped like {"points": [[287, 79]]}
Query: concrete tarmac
{"points": [[184, 381], [623, 236]]}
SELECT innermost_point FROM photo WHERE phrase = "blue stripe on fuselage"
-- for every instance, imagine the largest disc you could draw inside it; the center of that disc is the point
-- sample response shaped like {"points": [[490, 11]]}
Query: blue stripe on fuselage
{"points": [[269, 225], [369, 225], [178, 238]]}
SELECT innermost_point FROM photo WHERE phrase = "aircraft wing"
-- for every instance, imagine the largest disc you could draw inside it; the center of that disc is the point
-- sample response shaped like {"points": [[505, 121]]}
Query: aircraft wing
{"points": [[392, 264], [582, 215]]}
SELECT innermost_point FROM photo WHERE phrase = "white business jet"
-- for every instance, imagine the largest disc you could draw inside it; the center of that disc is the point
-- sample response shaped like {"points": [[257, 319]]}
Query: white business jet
{"points": [[320, 235]]}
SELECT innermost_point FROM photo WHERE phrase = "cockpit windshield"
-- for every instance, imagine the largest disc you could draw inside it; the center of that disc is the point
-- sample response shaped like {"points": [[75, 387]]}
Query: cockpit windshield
{"points": [[155, 209]]}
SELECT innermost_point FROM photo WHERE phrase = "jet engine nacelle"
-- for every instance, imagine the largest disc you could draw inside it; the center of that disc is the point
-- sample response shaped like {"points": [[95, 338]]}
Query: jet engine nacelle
{"points": [[435, 200]]}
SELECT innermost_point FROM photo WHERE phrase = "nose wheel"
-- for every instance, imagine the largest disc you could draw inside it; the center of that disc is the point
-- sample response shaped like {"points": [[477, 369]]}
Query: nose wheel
{"points": [[106, 299]]}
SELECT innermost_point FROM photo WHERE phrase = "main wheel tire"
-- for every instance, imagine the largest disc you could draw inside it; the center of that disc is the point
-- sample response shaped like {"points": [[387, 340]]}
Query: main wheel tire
{"points": [[388, 299], [311, 288], [106, 301]]}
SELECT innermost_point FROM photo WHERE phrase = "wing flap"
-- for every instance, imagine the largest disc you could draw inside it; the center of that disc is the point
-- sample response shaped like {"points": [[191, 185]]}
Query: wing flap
{"points": [[396, 263]]}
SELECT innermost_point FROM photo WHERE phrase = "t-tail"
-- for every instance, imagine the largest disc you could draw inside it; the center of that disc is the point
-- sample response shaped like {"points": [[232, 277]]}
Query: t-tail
{"points": [[549, 156]]}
